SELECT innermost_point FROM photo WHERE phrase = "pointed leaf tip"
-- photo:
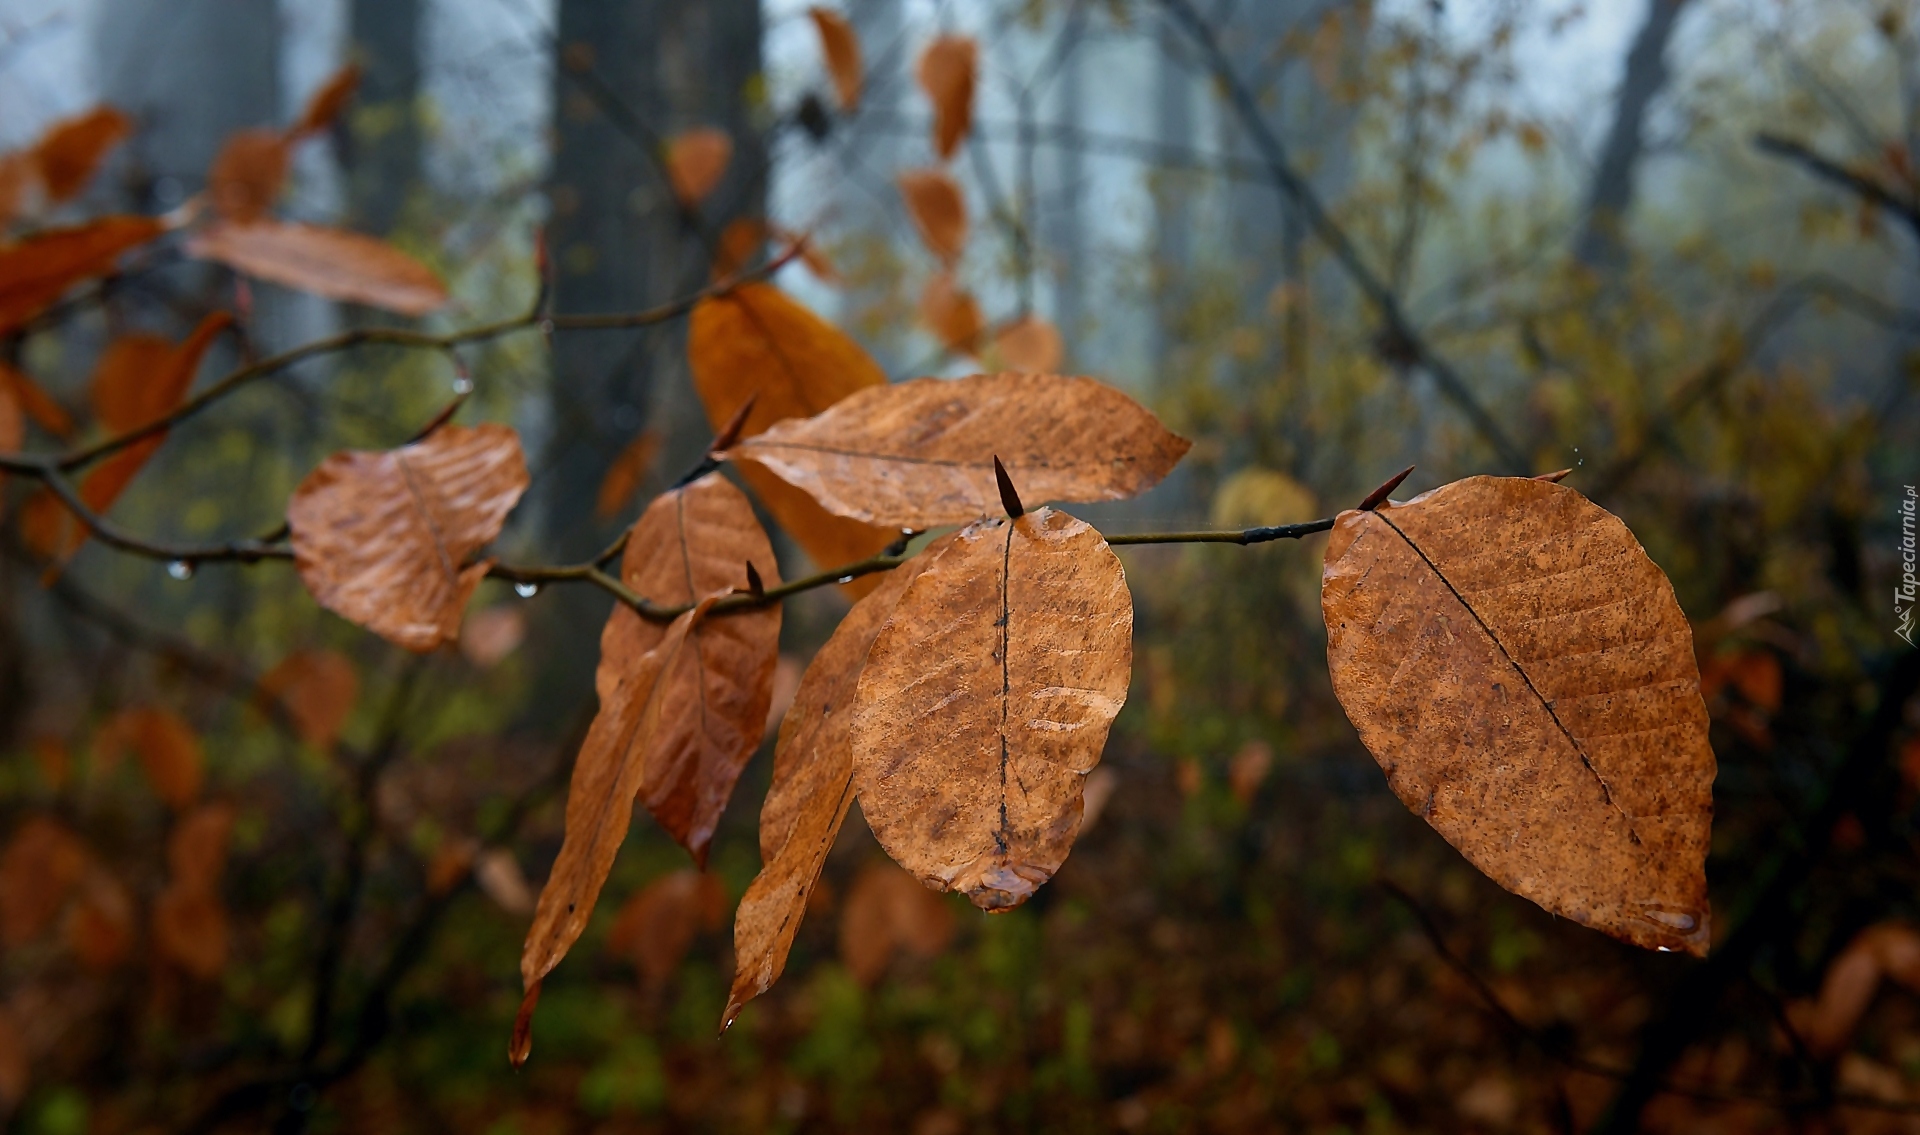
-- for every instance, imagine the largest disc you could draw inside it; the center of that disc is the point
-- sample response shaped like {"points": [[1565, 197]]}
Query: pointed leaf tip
{"points": [[755, 587], [1378, 496], [1556, 476], [1008, 496], [521, 1046], [730, 432]]}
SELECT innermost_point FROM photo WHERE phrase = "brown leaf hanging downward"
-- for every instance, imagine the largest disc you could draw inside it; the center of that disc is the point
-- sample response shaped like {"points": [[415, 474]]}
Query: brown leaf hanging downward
{"points": [[841, 45], [938, 209], [986, 701], [1523, 674], [328, 262], [383, 538], [812, 787], [694, 542], [946, 73], [919, 454], [756, 342]]}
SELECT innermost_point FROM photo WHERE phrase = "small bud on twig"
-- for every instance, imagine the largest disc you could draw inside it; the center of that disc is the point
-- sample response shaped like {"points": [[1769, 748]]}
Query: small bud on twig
{"points": [[1008, 496], [730, 432], [1377, 496], [1555, 477], [755, 587]]}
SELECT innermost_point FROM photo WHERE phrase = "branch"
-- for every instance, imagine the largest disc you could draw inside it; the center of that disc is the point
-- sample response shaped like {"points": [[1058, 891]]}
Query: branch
{"points": [[1826, 169]]}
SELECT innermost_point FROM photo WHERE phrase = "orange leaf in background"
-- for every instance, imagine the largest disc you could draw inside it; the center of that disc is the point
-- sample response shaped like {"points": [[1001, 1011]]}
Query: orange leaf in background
{"points": [[812, 787], [627, 473], [938, 209], [197, 845], [656, 926], [38, 270], [1754, 673], [100, 927], [946, 73], [696, 161], [39, 868], [1248, 770], [318, 689], [328, 262], [919, 454], [190, 930], [840, 44], [937, 206], [168, 749], [757, 342], [248, 174], [383, 538], [888, 911], [1522, 672], [490, 635], [71, 149], [1890, 950], [1029, 344], [327, 101], [123, 393], [952, 314], [35, 402]]}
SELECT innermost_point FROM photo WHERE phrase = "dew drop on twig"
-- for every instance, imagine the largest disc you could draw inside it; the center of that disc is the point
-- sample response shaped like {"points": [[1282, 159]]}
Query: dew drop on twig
{"points": [[526, 590], [180, 569]]}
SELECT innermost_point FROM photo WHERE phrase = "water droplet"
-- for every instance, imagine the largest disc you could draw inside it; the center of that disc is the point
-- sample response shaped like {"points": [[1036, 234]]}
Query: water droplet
{"points": [[1664, 949], [1579, 461], [846, 579], [463, 385], [1680, 920], [546, 327], [526, 590], [180, 569]]}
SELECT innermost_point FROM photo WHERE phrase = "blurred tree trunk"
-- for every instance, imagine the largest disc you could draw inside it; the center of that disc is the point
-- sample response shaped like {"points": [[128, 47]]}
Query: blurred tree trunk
{"points": [[1073, 279], [383, 141], [1601, 245], [1172, 204]]}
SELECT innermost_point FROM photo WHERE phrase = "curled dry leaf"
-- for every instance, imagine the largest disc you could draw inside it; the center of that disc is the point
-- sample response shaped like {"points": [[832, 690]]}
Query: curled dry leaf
{"points": [[655, 927], [1890, 950], [920, 454], [696, 161], [41, 865], [1524, 675], [946, 72], [248, 174], [71, 149], [167, 747], [1029, 344], [627, 473], [986, 700], [887, 912], [840, 44], [38, 270], [492, 634], [938, 209], [756, 342], [328, 262], [812, 787], [327, 101], [383, 538], [318, 689], [952, 314]]}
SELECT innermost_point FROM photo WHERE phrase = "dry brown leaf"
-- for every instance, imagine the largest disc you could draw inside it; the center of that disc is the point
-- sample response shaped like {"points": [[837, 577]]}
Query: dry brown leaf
{"points": [[1029, 344], [492, 634], [696, 161], [888, 911], [756, 342], [318, 689], [71, 149], [100, 927], [1889, 950], [190, 929], [497, 873], [627, 473], [141, 378], [691, 543], [1523, 674], [656, 926], [840, 44], [41, 865], [383, 538], [37, 404], [248, 174], [168, 749], [197, 845], [636, 708], [38, 270], [946, 73], [812, 787], [986, 700], [938, 209], [919, 454], [952, 314], [327, 102], [328, 262]]}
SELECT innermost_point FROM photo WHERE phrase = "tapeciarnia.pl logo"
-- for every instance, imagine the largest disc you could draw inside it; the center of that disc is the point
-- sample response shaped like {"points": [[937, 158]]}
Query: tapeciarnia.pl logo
{"points": [[1904, 594]]}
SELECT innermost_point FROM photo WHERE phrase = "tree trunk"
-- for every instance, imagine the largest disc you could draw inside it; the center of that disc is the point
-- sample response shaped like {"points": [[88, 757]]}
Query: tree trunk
{"points": [[383, 143], [1600, 245]]}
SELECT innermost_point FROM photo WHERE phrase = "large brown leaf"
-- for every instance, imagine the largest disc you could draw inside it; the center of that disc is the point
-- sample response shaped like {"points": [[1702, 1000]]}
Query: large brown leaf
{"points": [[755, 342], [985, 702], [812, 787], [1523, 674], [383, 538], [694, 542], [328, 262], [938, 209], [919, 454], [946, 73], [840, 43], [39, 270]]}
